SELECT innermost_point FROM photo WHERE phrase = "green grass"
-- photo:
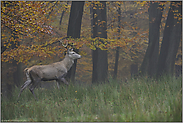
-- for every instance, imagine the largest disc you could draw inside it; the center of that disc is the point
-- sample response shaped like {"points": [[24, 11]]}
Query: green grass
{"points": [[138, 100]]}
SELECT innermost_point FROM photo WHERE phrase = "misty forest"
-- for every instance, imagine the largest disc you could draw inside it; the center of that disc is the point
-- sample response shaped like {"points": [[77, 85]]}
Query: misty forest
{"points": [[91, 61]]}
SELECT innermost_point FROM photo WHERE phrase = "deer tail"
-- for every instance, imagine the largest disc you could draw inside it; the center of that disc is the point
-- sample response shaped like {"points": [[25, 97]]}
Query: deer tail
{"points": [[28, 82], [25, 70]]}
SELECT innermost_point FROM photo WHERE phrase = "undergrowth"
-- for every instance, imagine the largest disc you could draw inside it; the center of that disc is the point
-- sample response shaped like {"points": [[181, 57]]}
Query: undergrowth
{"points": [[135, 100]]}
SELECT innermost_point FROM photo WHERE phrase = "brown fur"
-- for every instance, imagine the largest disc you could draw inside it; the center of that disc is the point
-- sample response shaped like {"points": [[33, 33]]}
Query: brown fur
{"points": [[55, 71]]}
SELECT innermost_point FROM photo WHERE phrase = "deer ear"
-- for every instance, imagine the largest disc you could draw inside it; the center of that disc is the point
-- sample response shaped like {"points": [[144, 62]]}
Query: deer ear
{"points": [[69, 50]]}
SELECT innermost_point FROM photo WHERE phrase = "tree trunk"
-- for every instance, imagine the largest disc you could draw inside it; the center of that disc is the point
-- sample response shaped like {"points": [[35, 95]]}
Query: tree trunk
{"points": [[3, 48], [18, 74], [117, 49], [133, 70], [99, 57], [171, 40], [178, 70], [74, 29], [151, 57]]}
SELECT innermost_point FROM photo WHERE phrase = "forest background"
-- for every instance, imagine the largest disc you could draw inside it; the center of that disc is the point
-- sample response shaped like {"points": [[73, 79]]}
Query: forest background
{"points": [[116, 39]]}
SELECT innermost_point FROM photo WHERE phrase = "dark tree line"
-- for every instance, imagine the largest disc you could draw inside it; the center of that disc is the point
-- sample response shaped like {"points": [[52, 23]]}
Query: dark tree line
{"points": [[154, 64]]}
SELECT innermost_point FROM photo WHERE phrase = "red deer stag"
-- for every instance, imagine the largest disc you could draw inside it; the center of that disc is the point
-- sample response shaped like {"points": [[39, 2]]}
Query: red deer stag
{"points": [[55, 71]]}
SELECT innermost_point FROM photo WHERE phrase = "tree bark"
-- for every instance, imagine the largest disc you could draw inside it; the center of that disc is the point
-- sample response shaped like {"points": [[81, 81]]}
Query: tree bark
{"points": [[133, 70], [3, 48], [171, 40], [74, 29], [99, 57], [18, 74], [178, 70], [149, 63], [117, 49]]}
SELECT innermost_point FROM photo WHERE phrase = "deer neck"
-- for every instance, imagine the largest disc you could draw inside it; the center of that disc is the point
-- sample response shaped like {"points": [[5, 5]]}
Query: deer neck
{"points": [[68, 62]]}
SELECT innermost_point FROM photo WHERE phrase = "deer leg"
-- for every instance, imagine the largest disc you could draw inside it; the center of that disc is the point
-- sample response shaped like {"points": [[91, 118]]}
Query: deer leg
{"points": [[27, 83], [58, 84], [61, 78], [32, 91], [64, 81], [32, 87]]}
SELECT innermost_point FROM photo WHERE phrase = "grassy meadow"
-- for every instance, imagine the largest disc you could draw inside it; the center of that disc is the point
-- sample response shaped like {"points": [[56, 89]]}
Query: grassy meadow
{"points": [[135, 100]]}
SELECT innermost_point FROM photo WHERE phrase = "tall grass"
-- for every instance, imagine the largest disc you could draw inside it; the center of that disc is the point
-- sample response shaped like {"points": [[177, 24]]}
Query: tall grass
{"points": [[137, 100]]}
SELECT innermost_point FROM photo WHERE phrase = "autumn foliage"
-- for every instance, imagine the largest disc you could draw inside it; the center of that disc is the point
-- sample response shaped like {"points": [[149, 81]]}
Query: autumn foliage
{"points": [[31, 29], [27, 32]]}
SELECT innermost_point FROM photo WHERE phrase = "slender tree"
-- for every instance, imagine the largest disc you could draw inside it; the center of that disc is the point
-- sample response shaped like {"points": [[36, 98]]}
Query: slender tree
{"points": [[155, 64], [63, 13], [171, 40], [151, 57], [117, 49], [99, 57], [74, 29]]}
